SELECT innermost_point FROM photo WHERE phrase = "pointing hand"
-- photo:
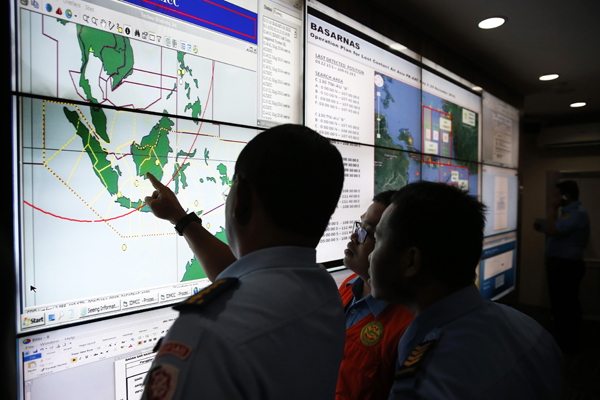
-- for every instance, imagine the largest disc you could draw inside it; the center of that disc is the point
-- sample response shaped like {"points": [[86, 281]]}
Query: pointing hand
{"points": [[163, 202]]}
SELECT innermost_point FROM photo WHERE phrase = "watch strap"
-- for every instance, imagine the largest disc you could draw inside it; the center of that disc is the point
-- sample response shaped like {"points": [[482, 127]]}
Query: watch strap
{"points": [[183, 222]]}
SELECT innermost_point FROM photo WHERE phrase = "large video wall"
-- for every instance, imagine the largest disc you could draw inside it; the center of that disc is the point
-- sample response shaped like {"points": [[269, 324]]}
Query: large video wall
{"points": [[105, 91]]}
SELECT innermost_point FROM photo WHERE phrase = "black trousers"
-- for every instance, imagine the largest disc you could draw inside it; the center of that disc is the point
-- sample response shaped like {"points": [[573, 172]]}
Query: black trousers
{"points": [[564, 278]]}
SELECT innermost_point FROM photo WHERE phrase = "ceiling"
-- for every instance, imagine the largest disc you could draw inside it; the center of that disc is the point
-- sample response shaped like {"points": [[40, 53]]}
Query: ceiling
{"points": [[538, 38]]}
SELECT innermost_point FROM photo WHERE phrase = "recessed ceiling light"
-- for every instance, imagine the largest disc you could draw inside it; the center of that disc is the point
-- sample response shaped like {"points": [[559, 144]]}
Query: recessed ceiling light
{"points": [[397, 46], [548, 77], [579, 104], [477, 88], [491, 23]]}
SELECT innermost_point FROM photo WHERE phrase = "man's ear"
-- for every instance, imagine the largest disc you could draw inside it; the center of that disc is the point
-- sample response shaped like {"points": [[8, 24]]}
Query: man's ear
{"points": [[413, 262], [242, 202]]}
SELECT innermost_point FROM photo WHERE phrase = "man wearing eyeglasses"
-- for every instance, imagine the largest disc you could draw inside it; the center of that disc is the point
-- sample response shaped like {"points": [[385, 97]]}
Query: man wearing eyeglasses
{"points": [[373, 327]]}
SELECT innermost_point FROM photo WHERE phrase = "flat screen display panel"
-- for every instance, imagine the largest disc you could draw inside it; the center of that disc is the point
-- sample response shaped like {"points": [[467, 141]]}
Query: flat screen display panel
{"points": [[89, 246], [101, 360], [106, 91], [238, 62], [451, 119], [497, 269], [500, 193], [358, 91], [500, 132]]}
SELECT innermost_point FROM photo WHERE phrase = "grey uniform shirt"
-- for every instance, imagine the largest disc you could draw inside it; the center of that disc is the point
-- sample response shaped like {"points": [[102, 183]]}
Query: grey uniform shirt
{"points": [[277, 334], [466, 348]]}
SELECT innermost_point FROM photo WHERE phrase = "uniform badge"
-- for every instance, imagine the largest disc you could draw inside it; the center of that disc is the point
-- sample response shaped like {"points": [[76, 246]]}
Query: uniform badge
{"points": [[176, 349], [162, 383], [371, 334], [414, 360]]}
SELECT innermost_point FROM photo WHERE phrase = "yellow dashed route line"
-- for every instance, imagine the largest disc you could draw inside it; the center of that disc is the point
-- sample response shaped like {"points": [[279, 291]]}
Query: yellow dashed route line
{"points": [[87, 146]]}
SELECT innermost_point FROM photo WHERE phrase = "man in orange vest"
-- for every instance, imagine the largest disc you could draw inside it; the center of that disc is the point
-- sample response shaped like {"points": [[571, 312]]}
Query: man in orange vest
{"points": [[373, 327]]}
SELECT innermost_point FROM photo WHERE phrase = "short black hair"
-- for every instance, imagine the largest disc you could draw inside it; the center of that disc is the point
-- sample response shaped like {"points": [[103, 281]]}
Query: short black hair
{"points": [[446, 224], [384, 198], [569, 187], [298, 176]]}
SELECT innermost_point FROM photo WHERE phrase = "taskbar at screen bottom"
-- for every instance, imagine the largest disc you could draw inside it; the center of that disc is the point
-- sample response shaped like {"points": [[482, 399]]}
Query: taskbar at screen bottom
{"points": [[72, 312]]}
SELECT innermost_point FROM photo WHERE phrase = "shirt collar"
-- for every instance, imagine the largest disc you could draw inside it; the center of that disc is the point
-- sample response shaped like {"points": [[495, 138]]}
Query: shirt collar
{"points": [[376, 306], [441, 313], [572, 206], [273, 257]]}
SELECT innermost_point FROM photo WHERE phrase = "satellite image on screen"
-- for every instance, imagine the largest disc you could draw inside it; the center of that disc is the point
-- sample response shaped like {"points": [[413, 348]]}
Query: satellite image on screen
{"points": [[397, 126], [450, 143]]}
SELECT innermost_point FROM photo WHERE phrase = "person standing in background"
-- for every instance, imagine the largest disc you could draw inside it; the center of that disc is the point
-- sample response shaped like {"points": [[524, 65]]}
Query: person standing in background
{"points": [[373, 327], [567, 238]]}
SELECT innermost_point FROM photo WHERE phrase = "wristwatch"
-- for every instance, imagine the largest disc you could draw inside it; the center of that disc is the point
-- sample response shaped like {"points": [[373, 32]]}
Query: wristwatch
{"points": [[183, 222]]}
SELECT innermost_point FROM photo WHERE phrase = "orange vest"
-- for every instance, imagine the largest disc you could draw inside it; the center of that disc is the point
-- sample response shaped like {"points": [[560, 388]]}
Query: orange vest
{"points": [[369, 363]]}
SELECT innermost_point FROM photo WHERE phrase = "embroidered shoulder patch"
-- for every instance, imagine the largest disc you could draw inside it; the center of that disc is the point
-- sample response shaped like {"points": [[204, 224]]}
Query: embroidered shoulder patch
{"points": [[207, 294], [371, 333], [162, 383], [179, 350], [414, 360]]}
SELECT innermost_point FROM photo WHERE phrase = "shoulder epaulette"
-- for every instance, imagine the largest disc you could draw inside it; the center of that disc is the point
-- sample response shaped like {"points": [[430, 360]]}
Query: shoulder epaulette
{"points": [[414, 360], [206, 295]]}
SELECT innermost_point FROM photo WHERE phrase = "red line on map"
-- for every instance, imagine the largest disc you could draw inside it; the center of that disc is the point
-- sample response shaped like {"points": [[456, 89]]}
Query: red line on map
{"points": [[171, 180], [205, 21]]}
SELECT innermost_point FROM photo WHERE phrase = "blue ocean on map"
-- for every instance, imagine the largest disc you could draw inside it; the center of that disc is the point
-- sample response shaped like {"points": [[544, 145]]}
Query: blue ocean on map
{"points": [[414, 171], [431, 173], [403, 113]]}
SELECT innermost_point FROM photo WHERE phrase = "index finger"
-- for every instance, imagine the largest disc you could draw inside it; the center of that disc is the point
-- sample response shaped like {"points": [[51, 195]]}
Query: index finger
{"points": [[155, 182]]}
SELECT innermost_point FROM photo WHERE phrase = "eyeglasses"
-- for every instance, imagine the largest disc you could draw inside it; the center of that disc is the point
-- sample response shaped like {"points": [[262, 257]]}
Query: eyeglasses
{"points": [[361, 232]]}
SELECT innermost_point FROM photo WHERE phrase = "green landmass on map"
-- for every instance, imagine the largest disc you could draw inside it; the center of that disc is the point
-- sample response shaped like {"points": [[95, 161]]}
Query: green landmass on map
{"points": [[99, 121], [465, 137], [196, 108], [388, 97], [196, 82], [113, 50], [211, 179], [184, 154], [180, 56], [127, 203], [193, 269], [391, 167], [381, 128], [222, 168], [63, 22], [98, 157], [189, 90], [407, 138], [179, 177], [118, 170], [151, 154], [172, 91], [206, 156]]}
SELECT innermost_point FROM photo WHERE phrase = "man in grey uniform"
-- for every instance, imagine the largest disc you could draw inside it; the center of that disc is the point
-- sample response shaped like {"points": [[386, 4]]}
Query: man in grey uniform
{"points": [[271, 326], [459, 346]]}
